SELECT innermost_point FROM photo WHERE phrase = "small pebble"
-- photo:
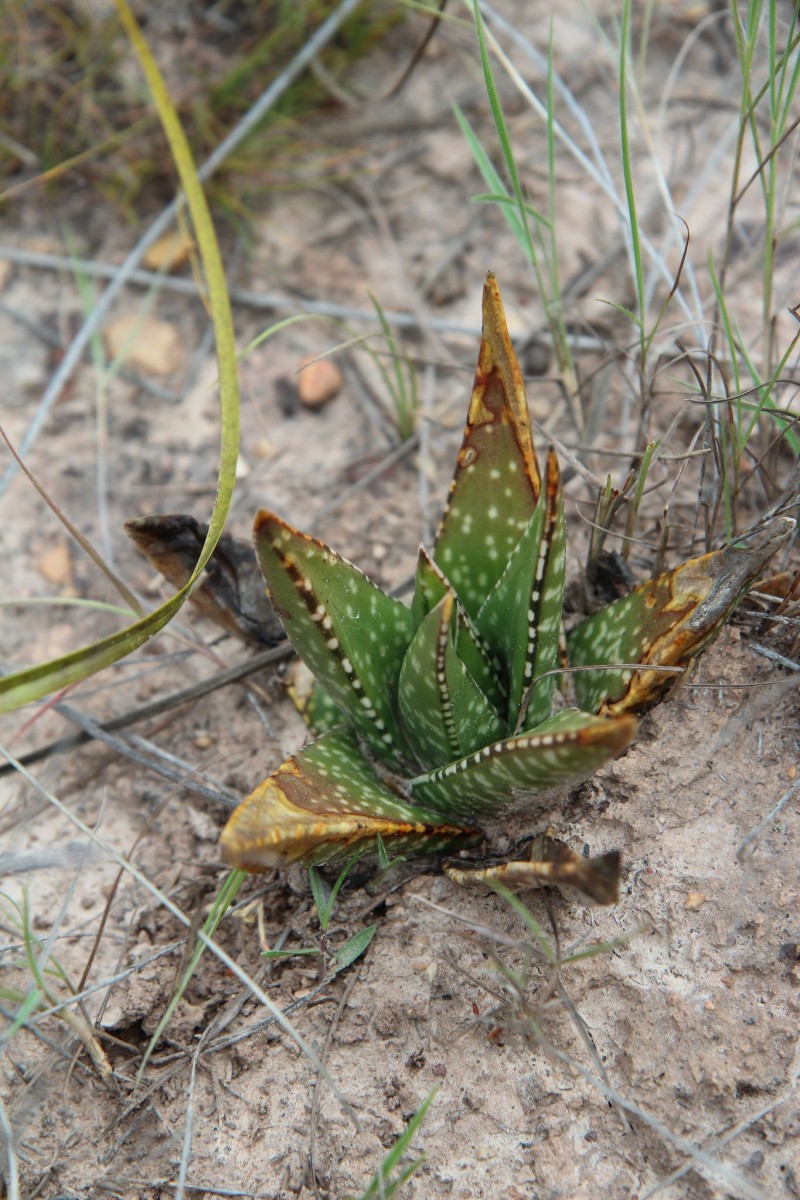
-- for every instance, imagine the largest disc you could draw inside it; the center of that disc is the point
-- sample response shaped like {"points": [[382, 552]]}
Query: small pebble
{"points": [[55, 565], [694, 900], [318, 381], [263, 449], [145, 343], [170, 251]]}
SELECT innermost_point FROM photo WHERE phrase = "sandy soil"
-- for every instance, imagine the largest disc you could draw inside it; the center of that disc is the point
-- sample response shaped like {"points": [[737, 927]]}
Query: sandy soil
{"points": [[691, 1020]]}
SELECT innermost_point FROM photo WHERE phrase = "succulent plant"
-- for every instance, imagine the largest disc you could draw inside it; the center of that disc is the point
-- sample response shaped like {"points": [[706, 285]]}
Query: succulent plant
{"points": [[434, 717]]}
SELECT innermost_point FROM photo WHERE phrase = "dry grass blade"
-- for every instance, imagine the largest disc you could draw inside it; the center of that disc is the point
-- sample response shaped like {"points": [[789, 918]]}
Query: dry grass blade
{"points": [[176, 912], [168, 703], [716, 1144], [315, 1102], [248, 298], [12, 1175], [701, 1161], [186, 1148], [166, 219]]}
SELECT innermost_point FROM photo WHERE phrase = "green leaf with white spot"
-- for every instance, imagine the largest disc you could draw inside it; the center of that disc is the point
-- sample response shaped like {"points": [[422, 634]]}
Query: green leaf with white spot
{"points": [[444, 711], [665, 623], [569, 746], [349, 633], [478, 721], [430, 585], [322, 711], [319, 711], [496, 483], [545, 606], [423, 694], [521, 618], [326, 804], [619, 633], [461, 683], [482, 666]]}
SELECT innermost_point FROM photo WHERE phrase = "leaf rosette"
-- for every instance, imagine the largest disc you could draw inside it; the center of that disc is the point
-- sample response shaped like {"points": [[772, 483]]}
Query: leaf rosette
{"points": [[435, 716]]}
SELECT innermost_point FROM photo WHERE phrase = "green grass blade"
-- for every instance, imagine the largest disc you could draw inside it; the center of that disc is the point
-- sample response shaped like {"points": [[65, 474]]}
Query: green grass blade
{"points": [[403, 391], [502, 131], [527, 918], [354, 947], [222, 903], [300, 952], [500, 198], [168, 905], [493, 181], [32, 683], [28, 1004], [633, 221], [321, 894], [381, 1186]]}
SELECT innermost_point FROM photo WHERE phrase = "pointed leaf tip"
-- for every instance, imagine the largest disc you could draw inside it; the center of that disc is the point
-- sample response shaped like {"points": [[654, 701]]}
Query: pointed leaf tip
{"points": [[551, 863], [570, 745], [230, 591], [665, 622], [521, 618], [496, 482], [498, 358], [349, 633], [325, 804]]}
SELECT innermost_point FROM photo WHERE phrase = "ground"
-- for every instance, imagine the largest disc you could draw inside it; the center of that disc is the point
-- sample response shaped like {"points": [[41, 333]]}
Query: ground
{"points": [[667, 1064]]}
